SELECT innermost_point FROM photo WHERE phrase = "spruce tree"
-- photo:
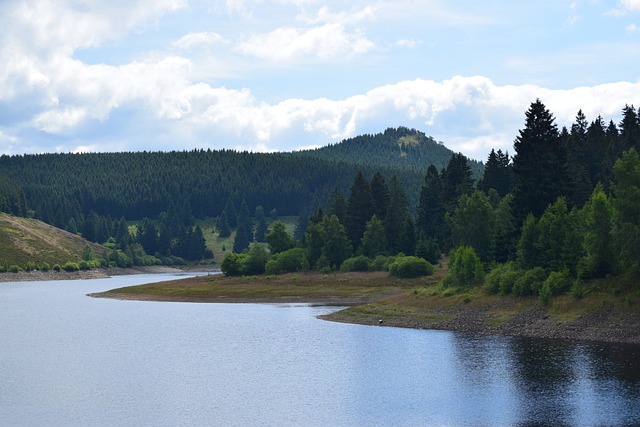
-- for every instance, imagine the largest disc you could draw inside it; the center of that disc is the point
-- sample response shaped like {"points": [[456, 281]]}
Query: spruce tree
{"points": [[359, 209], [539, 165], [379, 195]]}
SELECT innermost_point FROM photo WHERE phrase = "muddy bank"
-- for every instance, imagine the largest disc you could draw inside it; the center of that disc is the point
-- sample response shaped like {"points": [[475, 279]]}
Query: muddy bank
{"points": [[604, 325]]}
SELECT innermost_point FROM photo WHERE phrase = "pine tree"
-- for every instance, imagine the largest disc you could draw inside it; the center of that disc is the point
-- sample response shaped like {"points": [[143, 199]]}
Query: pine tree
{"points": [[279, 239], [539, 165], [397, 214], [359, 209], [337, 206], [431, 205], [241, 241], [379, 196]]}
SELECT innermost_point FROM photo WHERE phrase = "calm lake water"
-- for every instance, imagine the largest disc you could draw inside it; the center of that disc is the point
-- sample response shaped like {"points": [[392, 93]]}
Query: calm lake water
{"points": [[70, 360]]}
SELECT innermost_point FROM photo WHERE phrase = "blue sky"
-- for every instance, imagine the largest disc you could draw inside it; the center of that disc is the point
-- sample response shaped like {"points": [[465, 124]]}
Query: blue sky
{"points": [[281, 75]]}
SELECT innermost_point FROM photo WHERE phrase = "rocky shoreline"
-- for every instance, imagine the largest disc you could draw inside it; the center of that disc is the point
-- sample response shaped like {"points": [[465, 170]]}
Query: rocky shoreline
{"points": [[605, 325]]}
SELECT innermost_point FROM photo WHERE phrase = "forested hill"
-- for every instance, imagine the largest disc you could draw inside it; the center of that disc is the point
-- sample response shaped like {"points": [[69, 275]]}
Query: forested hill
{"points": [[67, 189], [404, 148]]}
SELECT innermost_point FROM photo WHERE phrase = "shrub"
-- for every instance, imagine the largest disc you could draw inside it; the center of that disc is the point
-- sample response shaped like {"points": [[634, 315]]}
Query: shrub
{"points": [[378, 263], [14, 268], [44, 267], [4, 267], [530, 282], [71, 266], [256, 260], [30, 266], [359, 263], [410, 266], [465, 267], [232, 264], [288, 261], [501, 279], [56, 267], [557, 283]]}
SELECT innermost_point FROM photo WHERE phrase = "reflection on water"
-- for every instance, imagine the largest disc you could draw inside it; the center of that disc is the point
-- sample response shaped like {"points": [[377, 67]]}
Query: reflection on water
{"points": [[70, 360]]}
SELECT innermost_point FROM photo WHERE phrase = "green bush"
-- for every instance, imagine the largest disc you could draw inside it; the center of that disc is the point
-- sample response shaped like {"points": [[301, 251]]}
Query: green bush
{"points": [[378, 263], [30, 266], [4, 267], [288, 261], [120, 259], [256, 260], [530, 282], [14, 268], [44, 267], [359, 263], [410, 266], [501, 279], [465, 267], [557, 283], [71, 266], [232, 264], [56, 267]]}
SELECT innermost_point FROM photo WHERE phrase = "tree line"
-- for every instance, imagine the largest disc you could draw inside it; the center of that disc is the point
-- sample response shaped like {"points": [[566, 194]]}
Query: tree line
{"points": [[563, 209], [94, 194]]}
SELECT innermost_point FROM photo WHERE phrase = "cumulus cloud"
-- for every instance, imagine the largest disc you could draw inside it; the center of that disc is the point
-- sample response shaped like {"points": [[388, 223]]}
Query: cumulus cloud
{"points": [[193, 39], [325, 42]]}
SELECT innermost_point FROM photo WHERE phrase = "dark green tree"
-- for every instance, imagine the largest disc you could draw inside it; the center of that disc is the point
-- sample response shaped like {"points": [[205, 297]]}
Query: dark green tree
{"points": [[626, 200], [397, 214], [223, 226], [599, 217], [539, 165], [261, 230], [279, 239], [241, 240], [431, 205], [337, 206], [379, 196], [359, 209], [473, 223], [336, 244], [374, 240]]}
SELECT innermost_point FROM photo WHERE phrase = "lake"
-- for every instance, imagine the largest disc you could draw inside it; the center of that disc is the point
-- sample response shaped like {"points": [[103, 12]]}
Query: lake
{"points": [[70, 360]]}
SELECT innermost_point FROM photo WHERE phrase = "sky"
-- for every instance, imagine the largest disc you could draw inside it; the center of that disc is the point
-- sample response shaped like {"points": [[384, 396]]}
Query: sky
{"points": [[283, 75]]}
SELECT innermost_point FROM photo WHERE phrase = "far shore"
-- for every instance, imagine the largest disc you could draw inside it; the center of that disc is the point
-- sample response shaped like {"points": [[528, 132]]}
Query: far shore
{"points": [[377, 300], [97, 273]]}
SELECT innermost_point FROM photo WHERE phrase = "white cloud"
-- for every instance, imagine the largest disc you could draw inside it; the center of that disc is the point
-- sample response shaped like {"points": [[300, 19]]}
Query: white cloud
{"points": [[326, 42], [631, 29], [193, 39], [630, 5]]}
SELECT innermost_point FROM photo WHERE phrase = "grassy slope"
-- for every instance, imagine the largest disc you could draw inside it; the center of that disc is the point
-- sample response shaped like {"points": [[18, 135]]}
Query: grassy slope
{"points": [[24, 240]]}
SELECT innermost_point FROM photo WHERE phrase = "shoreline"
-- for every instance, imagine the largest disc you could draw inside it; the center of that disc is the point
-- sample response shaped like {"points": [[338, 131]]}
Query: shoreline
{"points": [[96, 273], [607, 325], [396, 306]]}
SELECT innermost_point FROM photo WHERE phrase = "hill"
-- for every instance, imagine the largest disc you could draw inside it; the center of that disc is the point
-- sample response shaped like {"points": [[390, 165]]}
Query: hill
{"points": [[401, 148], [25, 240], [67, 190]]}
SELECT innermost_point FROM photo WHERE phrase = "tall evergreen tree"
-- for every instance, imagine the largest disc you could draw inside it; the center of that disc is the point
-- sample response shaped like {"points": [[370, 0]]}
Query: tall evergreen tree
{"points": [[497, 174], [359, 209], [337, 206], [241, 240], [379, 195], [539, 165], [397, 214], [431, 205]]}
